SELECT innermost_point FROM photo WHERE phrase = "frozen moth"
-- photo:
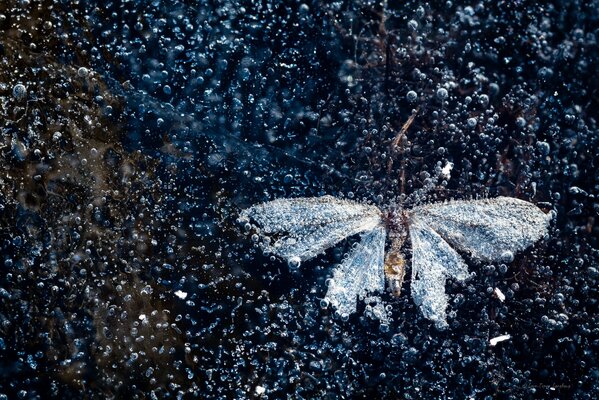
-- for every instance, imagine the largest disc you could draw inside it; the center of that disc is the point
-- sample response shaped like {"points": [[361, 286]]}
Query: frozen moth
{"points": [[490, 230]]}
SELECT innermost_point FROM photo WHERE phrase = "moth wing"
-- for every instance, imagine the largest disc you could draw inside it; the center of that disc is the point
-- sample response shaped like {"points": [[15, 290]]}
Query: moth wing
{"points": [[488, 229], [305, 227], [360, 273], [433, 260]]}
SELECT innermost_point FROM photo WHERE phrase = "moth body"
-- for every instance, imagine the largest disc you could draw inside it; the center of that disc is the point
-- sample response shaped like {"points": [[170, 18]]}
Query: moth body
{"points": [[300, 229]]}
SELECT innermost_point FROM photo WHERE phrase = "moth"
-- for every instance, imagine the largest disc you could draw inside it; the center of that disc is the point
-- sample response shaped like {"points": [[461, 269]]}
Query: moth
{"points": [[490, 230]]}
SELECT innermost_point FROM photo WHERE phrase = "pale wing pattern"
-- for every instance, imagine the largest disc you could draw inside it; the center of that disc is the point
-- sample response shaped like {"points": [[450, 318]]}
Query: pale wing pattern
{"points": [[433, 260], [488, 229], [360, 273], [305, 227]]}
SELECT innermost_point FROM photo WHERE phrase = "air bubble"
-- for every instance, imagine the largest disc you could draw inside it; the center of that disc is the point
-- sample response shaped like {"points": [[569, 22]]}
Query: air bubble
{"points": [[19, 91], [411, 96], [507, 256], [412, 25], [294, 263], [483, 100], [442, 93], [83, 72]]}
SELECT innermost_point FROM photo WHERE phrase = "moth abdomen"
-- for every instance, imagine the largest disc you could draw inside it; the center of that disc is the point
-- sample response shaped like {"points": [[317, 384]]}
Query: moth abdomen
{"points": [[395, 271]]}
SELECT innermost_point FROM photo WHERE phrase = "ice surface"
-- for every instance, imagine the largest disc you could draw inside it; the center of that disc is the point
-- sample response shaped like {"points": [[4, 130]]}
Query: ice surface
{"points": [[488, 229], [360, 273], [305, 227]]}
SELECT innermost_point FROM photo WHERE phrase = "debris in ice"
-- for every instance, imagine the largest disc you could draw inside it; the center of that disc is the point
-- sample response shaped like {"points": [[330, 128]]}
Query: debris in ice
{"points": [[499, 294], [181, 294], [502, 338], [446, 171], [299, 229], [260, 390]]}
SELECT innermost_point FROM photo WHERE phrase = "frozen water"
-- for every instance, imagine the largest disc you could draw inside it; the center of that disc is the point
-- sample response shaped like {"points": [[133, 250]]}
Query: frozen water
{"points": [[299, 229], [132, 130]]}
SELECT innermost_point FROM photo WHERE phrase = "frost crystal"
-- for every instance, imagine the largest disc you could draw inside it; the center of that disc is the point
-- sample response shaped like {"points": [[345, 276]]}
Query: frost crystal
{"points": [[490, 230]]}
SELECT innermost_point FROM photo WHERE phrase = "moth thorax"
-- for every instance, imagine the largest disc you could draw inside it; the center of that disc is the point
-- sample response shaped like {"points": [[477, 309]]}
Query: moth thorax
{"points": [[396, 223]]}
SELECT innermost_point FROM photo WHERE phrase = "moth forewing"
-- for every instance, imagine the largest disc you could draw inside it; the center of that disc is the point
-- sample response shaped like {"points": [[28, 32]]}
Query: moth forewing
{"points": [[487, 229], [490, 229], [305, 227]]}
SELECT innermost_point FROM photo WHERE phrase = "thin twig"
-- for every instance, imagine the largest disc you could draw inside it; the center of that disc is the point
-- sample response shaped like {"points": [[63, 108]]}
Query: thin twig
{"points": [[404, 129]]}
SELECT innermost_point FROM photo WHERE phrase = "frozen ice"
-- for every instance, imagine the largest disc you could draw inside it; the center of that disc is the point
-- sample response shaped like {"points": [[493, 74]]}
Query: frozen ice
{"points": [[360, 273], [305, 227]]}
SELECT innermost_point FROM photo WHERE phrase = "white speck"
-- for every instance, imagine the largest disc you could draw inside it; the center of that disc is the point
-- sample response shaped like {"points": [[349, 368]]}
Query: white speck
{"points": [[499, 294], [446, 171], [142, 317], [502, 338], [181, 294], [260, 390]]}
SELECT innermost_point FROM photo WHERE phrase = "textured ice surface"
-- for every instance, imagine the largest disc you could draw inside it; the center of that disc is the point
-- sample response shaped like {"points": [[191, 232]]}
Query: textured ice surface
{"points": [[360, 273], [305, 227], [490, 230]]}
